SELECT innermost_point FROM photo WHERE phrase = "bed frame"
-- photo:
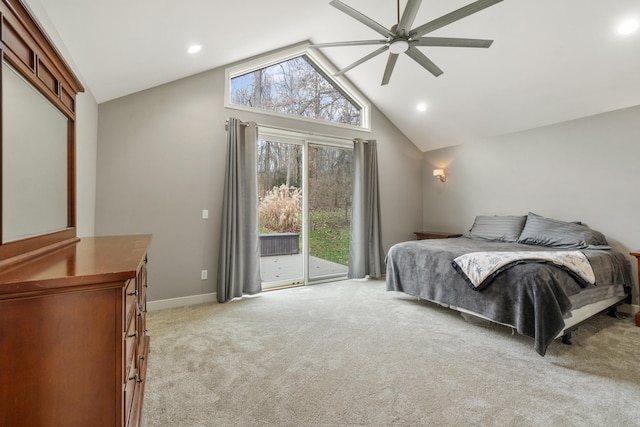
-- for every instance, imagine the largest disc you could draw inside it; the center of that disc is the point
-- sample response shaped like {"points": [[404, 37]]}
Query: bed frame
{"points": [[578, 316]]}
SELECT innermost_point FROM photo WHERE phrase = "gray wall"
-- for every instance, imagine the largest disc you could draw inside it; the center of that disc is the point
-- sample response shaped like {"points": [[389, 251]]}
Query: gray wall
{"points": [[161, 161], [86, 152], [584, 169]]}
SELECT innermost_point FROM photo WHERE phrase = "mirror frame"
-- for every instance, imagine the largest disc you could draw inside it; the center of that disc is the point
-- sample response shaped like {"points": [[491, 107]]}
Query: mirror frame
{"points": [[27, 48]]}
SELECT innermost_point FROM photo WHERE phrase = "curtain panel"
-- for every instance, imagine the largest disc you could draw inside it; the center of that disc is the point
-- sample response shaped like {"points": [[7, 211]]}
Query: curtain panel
{"points": [[239, 257], [365, 252]]}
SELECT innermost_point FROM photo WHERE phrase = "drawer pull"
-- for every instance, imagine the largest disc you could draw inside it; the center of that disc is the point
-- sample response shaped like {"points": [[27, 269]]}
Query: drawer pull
{"points": [[135, 377], [134, 293], [133, 335]]}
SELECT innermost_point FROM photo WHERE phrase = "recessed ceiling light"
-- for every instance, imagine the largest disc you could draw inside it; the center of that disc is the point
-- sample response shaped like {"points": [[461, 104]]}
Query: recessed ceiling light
{"points": [[628, 26], [194, 48], [422, 107]]}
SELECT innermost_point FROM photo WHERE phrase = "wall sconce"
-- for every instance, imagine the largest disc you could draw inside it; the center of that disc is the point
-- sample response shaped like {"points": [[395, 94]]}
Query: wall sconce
{"points": [[439, 173]]}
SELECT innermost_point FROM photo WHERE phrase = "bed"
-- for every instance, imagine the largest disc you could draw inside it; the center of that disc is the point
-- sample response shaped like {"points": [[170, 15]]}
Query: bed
{"points": [[531, 288]]}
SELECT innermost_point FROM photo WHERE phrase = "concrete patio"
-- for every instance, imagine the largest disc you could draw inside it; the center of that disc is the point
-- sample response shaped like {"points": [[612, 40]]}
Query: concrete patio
{"points": [[289, 267]]}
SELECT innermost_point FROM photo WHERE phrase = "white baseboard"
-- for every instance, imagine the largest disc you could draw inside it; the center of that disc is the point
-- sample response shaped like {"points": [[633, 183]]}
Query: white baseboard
{"points": [[180, 302]]}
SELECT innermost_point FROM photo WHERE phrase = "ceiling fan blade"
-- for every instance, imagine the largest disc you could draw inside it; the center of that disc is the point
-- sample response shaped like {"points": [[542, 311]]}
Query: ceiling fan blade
{"points": [[408, 16], [352, 43], [391, 63], [362, 18], [421, 59], [450, 42], [452, 17], [362, 60]]}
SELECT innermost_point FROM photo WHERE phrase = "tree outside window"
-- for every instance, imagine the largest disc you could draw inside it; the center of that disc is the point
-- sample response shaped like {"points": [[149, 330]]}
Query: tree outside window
{"points": [[295, 87]]}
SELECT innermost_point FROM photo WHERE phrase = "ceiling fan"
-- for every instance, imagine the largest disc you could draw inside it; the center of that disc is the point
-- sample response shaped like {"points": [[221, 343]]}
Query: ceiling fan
{"points": [[401, 38]]}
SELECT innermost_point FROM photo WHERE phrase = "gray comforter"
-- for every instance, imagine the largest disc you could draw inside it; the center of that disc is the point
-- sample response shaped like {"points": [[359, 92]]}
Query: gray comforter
{"points": [[532, 297]]}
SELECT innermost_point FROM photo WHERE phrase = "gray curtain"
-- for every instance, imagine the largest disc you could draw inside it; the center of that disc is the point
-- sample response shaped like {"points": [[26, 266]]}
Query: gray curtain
{"points": [[239, 262], [365, 252]]}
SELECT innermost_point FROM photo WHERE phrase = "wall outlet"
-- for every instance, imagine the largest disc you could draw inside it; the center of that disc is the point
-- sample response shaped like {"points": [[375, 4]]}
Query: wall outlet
{"points": [[205, 214], [203, 274]]}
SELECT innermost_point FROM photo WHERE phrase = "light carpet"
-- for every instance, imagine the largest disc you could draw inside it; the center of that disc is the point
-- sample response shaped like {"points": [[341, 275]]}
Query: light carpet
{"points": [[350, 353]]}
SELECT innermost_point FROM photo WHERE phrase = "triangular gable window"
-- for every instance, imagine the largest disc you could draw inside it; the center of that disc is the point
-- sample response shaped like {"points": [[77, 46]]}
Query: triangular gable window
{"points": [[297, 86]]}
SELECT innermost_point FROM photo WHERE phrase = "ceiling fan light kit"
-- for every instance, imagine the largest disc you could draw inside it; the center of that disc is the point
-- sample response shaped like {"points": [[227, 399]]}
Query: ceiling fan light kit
{"points": [[401, 38], [398, 46]]}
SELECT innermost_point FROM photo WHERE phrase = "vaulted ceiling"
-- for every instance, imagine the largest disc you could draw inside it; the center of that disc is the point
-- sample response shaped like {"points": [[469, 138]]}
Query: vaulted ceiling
{"points": [[551, 61]]}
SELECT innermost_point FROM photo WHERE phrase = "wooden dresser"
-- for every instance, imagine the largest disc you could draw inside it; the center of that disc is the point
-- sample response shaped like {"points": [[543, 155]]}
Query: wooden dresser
{"points": [[73, 344]]}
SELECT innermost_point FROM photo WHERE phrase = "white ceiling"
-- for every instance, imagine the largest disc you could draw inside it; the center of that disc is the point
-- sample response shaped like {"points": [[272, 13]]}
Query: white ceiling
{"points": [[551, 61]]}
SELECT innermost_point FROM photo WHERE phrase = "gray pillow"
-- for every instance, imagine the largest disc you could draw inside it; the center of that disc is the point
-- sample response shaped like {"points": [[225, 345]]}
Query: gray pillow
{"points": [[539, 230], [497, 228]]}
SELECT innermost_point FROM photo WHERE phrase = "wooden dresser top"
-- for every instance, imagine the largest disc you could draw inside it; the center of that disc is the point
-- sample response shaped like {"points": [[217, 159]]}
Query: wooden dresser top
{"points": [[89, 261]]}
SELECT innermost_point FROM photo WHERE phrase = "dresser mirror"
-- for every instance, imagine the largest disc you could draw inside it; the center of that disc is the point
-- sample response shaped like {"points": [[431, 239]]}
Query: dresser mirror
{"points": [[34, 161], [37, 140]]}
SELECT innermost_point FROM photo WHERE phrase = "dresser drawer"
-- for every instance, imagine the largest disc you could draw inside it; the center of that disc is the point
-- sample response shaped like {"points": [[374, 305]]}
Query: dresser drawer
{"points": [[130, 390], [131, 367], [141, 283], [141, 279], [130, 346], [130, 301]]}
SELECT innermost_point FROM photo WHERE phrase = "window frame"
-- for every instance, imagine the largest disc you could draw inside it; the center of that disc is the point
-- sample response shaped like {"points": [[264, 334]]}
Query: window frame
{"points": [[321, 63]]}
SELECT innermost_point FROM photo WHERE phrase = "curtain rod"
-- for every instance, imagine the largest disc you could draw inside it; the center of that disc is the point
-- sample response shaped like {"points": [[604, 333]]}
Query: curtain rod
{"points": [[226, 124], [305, 132]]}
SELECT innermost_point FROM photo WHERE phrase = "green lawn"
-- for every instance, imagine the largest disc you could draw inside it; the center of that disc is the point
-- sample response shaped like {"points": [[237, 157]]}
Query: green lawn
{"points": [[329, 235]]}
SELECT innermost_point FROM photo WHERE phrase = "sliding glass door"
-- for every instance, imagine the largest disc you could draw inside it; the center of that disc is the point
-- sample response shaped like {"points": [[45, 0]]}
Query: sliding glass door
{"points": [[329, 211], [280, 192], [305, 209]]}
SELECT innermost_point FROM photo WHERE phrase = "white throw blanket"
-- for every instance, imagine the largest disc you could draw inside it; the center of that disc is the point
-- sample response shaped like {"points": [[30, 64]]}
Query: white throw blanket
{"points": [[479, 266]]}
